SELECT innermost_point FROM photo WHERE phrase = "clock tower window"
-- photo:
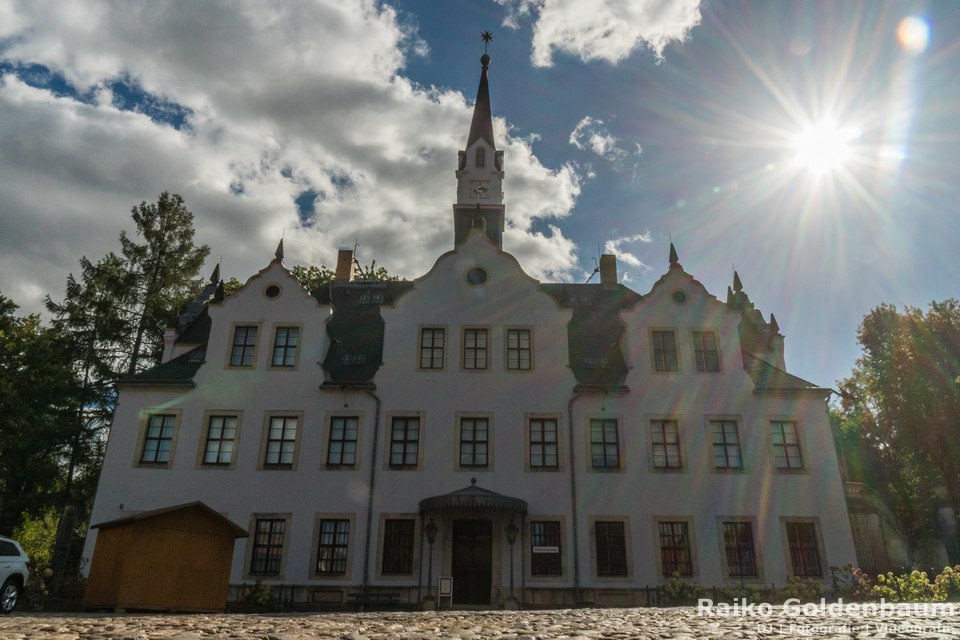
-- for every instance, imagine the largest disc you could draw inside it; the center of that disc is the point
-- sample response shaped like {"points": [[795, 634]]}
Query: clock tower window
{"points": [[481, 157]]}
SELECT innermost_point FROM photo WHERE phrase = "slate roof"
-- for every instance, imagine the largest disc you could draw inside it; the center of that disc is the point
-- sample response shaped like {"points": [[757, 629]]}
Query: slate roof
{"points": [[595, 331], [198, 331], [177, 371], [356, 328], [482, 124], [767, 377]]}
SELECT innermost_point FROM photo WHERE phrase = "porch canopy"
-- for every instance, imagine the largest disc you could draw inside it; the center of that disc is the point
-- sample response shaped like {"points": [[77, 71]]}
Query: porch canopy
{"points": [[473, 497]]}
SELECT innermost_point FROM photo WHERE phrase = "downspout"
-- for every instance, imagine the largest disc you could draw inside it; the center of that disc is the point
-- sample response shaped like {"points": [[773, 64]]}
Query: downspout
{"points": [[573, 498], [373, 478]]}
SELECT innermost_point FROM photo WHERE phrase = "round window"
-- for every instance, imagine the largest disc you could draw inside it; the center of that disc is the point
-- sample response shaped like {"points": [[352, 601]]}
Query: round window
{"points": [[272, 291], [477, 275], [679, 297]]}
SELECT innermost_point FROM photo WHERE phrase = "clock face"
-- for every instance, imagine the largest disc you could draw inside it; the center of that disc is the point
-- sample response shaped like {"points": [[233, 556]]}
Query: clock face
{"points": [[479, 188]]}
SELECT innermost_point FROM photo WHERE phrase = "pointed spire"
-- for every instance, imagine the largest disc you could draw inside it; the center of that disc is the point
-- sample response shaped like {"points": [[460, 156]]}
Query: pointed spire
{"points": [[729, 295], [279, 253], [774, 327], [674, 259], [482, 124], [737, 285], [215, 276]]}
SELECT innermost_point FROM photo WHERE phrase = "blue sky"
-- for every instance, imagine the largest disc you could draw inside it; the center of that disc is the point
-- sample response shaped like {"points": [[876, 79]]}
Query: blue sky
{"points": [[812, 146]]}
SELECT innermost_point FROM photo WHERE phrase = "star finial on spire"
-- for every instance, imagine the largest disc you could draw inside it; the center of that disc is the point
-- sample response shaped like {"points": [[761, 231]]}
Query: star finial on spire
{"points": [[486, 36]]}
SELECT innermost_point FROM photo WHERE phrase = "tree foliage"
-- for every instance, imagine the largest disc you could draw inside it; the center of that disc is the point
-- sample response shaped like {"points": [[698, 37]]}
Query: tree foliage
{"points": [[313, 277], [37, 395], [900, 415]]}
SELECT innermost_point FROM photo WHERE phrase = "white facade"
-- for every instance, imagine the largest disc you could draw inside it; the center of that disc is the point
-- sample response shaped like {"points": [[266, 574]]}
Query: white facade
{"points": [[626, 436]]}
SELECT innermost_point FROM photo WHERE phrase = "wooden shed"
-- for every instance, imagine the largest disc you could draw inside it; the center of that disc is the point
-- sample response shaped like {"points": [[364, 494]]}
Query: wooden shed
{"points": [[172, 559]]}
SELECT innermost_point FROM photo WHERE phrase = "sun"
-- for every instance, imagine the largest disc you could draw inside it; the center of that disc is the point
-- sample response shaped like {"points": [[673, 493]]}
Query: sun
{"points": [[825, 146]]}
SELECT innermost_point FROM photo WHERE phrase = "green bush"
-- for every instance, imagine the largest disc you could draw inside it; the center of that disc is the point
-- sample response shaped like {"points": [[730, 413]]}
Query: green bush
{"points": [[804, 590], [677, 592]]}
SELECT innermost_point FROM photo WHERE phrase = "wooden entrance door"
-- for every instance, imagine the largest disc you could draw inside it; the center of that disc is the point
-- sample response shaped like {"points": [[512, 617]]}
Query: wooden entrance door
{"points": [[472, 561]]}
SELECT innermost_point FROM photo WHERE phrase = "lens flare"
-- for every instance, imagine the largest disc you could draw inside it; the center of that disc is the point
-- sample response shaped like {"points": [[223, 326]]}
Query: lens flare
{"points": [[824, 146], [913, 33]]}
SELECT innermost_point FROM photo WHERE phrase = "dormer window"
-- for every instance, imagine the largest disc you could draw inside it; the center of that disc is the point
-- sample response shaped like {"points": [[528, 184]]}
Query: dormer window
{"points": [[481, 157]]}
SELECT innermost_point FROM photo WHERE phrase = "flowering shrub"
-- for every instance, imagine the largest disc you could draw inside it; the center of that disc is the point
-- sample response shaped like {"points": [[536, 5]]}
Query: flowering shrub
{"points": [[850, 583]]}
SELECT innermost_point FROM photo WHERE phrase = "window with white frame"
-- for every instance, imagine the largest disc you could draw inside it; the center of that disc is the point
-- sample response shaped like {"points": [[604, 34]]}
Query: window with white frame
{"points": [[432, 346]]}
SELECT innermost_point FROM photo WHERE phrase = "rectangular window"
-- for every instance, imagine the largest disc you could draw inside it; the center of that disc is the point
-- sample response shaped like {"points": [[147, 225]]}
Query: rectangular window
{"points": [[665, 351], [158, 440], [786, 445], [474, 442], [481, 157], [244, 345], [804, 553], [474, 348], [404, 442], [665, 443], [281, 442], [342, 446], [738, 546], [221, 432], [611, 549], [397, 547], [604, 444], [432, 341], [518, 349], [332, 549], [705, 349], [543, 443], [675, 549], [267, 552], [545, 548], [726, 444], [285, 346]]}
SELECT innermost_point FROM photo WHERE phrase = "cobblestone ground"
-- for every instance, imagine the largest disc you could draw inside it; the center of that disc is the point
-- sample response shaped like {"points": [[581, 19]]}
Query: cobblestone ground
{"points": [[680, 623]]}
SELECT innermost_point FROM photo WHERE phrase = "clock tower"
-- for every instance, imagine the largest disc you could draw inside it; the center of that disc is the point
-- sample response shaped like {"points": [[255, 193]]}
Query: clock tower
{"points": [[480, 171]]}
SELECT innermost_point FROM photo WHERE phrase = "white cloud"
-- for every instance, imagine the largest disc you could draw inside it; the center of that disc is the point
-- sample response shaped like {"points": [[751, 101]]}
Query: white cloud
{"points": [[591, 135], [608, 30], [616, 248], [279, 99]]}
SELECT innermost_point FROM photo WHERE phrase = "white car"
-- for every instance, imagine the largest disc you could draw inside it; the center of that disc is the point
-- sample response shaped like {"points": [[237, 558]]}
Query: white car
{"points": [[14, 573]]}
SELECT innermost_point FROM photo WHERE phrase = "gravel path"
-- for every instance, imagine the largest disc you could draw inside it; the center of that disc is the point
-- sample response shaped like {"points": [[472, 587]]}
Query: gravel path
{"points": [[680, 623]]}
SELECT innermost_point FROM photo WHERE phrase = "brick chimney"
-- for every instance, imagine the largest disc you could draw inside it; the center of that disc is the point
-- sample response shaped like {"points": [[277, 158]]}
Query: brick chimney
{"points": [[344, 271], [608, 271]]}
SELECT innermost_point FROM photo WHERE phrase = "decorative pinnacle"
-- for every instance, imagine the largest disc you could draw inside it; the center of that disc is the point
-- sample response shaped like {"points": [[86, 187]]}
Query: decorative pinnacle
{"points": [[674, 259], [486, 36], [774, 327], [737, 285], [215, 276], [279, 253]]}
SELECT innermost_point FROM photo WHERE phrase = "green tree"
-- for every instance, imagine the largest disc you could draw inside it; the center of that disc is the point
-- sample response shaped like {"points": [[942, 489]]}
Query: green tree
{"points": [[165, 267], [903, 402], [37, 395], [312, 277]]}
